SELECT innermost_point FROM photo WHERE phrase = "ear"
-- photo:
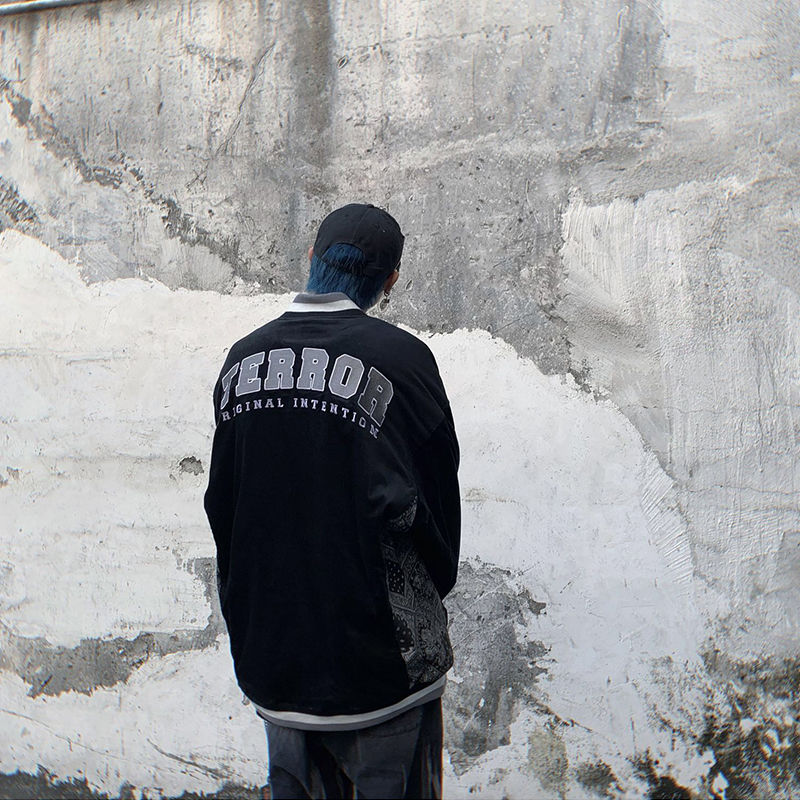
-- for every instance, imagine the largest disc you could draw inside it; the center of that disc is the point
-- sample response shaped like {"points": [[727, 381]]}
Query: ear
{"points": [[391, 280], [311, 252]]}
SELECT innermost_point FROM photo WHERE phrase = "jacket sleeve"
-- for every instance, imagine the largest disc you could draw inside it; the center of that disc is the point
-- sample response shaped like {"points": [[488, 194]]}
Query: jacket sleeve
{"points": [[220, 496], [436, 529]]}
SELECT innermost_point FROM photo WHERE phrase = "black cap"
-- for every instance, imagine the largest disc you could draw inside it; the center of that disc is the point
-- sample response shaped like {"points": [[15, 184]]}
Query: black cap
{"points": [[372, 230]]}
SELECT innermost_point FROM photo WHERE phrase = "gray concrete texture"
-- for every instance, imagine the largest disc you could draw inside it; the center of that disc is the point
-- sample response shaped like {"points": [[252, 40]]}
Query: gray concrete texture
{"points": [[610, 187]]}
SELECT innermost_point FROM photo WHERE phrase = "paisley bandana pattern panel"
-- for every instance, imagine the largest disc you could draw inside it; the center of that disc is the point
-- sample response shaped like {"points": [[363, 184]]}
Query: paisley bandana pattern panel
{"points": [[420, 618]]}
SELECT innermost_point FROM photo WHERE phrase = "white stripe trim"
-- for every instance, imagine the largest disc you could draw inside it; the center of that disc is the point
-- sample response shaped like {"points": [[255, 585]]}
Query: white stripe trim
{"points": [[345, 722], [321, 302]]}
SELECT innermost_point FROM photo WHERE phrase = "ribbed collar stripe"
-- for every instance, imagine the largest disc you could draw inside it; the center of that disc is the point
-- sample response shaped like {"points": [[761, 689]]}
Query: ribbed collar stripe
{"points": [[333, 301]]}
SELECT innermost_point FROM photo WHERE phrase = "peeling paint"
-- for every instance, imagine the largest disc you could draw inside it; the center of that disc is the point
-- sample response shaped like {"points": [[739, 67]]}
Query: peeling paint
{"points": [[51, 670], [661, 786], [192, 465], [179, 225], [228, 791], [495, 666], [45, 786], [752, 725]]}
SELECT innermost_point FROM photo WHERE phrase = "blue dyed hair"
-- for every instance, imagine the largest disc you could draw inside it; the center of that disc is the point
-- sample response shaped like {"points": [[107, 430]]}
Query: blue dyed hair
{"points": [[337, 273]]}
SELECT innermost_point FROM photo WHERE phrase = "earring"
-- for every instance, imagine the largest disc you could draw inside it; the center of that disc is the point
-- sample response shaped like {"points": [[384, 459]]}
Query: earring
{"points": [[385, 301]]}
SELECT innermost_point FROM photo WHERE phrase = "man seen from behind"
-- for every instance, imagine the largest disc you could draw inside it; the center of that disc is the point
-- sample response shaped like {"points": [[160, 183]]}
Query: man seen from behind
{"points": [[334, 504]]}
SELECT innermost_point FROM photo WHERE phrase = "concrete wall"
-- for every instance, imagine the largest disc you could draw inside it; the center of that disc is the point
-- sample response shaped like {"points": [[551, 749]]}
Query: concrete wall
{"points": [[602, 219]]}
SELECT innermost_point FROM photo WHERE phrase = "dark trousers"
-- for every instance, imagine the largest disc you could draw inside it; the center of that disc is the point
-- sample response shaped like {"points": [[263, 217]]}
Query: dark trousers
{"points": [[399, 758]]}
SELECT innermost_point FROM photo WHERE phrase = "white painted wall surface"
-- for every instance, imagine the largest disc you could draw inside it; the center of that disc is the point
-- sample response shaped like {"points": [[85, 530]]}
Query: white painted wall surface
{"points": [[108, 387]]}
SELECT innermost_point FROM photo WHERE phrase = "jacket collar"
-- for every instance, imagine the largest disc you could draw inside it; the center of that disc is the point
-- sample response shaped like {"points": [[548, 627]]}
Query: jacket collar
{"points": [[332, 301]]}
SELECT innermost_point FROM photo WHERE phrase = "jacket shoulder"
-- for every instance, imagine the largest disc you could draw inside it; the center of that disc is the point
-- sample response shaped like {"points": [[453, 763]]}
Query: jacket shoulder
{"points": [[402, 342], [254, 337]]}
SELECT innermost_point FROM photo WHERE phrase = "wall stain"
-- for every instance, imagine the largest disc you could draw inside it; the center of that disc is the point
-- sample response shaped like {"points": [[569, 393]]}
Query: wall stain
{"points": [[92, 14], [598, 778], [662, 787], [494, 303], [547, 760], [51, 670], [496, 671], [752, 726], [20, 108], [311, 64], [15, 211], [212, 59], [182, 226], [44, 129], [177, 224]]}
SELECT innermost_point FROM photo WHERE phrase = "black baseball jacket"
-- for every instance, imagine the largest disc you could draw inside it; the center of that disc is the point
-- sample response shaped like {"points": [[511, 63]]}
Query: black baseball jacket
{"points": [[334, 504]]}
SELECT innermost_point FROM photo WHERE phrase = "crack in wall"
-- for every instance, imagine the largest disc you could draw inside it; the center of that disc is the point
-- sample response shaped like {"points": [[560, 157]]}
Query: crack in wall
{"points": [[255, 73], [204, 768]]}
